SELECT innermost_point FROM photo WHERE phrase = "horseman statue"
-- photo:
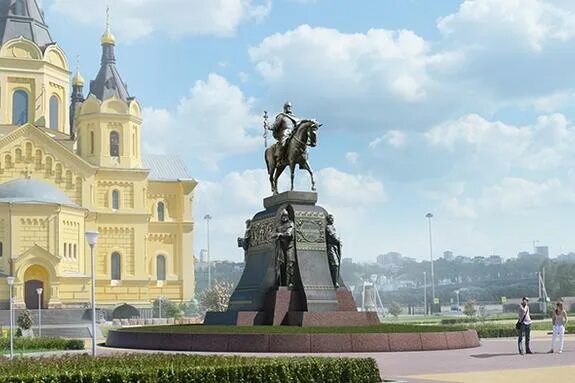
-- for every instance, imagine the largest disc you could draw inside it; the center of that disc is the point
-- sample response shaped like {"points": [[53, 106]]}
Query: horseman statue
{"points": [[293, 137]]}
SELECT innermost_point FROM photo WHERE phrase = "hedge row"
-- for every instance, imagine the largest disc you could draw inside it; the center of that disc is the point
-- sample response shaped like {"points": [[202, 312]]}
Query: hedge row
{"points": [[505, 331], [163, 368], [44, 343]]}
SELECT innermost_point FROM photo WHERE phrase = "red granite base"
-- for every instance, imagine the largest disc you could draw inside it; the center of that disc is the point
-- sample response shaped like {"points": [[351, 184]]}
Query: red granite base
{"points": [[294, 343]]}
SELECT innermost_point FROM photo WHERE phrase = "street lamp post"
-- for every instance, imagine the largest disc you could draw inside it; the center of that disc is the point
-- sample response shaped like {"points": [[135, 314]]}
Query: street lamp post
{"points": [[208, 218], [10, 281], [39, 291], [457, 293], [429, 216], [425, 292], [92, 238]]}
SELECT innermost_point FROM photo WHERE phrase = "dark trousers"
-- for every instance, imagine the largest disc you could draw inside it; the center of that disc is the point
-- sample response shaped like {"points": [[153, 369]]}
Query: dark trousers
{"points": [[525, 328]]}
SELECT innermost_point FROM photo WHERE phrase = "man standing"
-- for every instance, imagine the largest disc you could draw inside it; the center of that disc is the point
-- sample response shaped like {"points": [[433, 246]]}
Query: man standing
{"points": [[524, 322], [333, 250], [285, 251]]}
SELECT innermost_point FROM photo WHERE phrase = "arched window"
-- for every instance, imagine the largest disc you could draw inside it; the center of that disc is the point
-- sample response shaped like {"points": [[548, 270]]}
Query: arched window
{"points": [[161, 268], [161, 211], [69, 250], [65, 250], [54, 113], [115, 200], [1, 249], [91, 142], [75, 252], [116, 267], [20, 107], [114, 144]]}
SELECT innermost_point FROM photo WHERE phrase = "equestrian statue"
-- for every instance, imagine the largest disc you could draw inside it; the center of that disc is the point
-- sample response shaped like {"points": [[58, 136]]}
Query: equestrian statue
{"points": [[293, 137]]}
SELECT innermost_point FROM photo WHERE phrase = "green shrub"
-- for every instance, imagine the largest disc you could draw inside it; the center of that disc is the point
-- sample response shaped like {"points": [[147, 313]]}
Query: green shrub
{"points": [[30, 344], [24, 320], [448, 321], [490, 331], [163, 368], [469, 309]]}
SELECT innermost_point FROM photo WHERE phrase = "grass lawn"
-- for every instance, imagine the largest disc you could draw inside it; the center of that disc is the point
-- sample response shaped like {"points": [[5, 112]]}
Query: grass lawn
{"points": [[201, 329]]}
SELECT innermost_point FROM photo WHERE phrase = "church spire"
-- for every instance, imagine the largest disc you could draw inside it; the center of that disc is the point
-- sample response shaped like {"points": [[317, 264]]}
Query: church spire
{"points": [[23, 18], [77, 97], [108, 82]]}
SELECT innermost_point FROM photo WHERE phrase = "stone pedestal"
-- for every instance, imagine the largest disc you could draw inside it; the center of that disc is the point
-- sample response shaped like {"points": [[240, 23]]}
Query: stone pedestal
{"points": [[257, 299]]}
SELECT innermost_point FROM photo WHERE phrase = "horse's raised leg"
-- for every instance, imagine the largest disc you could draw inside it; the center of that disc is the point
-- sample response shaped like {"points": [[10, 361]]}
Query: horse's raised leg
{"points": [[305, 165]]}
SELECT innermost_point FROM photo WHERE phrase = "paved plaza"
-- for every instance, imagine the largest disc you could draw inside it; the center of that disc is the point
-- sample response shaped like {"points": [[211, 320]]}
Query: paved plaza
{"points": [[495, 361]]}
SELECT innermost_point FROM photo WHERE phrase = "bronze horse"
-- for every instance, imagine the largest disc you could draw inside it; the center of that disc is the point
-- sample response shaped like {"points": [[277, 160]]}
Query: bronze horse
{"points": [[304, 135]]}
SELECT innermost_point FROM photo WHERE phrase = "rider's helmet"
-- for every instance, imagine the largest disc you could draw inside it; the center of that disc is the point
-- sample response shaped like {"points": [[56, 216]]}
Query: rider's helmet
{"points": [[287, 107]]}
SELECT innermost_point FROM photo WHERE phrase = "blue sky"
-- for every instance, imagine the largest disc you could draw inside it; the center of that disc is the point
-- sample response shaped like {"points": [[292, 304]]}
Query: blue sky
{"points": [[461, 108]]}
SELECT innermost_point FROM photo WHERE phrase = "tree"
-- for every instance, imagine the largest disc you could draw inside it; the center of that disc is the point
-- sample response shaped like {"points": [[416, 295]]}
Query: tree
{"points": [[394, 309], [216, 298], [169, 309], [24, 323], [469, 309]]}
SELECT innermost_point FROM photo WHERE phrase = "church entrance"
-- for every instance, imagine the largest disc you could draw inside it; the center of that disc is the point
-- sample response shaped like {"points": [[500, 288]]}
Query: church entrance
{"points": [[31, 294], [36, 277]]}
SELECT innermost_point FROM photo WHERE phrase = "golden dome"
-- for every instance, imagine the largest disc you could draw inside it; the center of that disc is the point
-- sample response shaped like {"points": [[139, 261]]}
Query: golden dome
{"points": [[78, 80], [108, 38]]}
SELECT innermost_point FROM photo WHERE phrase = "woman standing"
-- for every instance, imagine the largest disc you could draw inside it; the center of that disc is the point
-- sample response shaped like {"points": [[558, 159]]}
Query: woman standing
{"points": [[559, 322]]}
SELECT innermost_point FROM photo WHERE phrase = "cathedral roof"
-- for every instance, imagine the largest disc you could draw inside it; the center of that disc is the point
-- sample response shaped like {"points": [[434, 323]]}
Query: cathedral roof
{"points": [[23, 18], [165, 168], [33, 191]]}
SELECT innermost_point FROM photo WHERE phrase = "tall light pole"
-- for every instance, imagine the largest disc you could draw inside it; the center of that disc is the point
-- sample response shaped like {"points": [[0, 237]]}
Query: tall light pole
{"points": [[457, 293], [39, 291], [208, 218], [92, 238], [425, 292], [10, 281], [429, 216]]}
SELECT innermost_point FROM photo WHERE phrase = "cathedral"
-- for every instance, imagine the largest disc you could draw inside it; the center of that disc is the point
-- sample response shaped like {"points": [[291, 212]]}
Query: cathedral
{"points": [[71, 162]]}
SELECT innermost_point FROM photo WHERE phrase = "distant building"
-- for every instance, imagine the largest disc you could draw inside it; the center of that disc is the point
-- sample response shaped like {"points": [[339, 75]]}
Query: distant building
{"points": [[203, 256], [392, 258], [542, 250], [494, 260], [448, 255]]}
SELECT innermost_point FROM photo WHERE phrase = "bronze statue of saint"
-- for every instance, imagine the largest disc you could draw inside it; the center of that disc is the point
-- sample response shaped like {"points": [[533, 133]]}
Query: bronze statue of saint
{"points": [[245, 241], [293, 137], [333, 250], [285, 251], [284, 124]]}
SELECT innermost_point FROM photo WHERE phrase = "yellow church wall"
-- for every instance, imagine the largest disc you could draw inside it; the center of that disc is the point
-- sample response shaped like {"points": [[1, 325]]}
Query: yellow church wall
{"points": [[41, 75]]}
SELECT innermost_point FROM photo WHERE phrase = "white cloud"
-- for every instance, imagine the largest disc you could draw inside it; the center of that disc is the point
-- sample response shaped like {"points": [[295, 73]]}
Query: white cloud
{"points": [[520, 195], [531, 23], [350, 190], [394, 138], [213, 122], [137, 19], [390, 64], [352, 157], [544, 145]]}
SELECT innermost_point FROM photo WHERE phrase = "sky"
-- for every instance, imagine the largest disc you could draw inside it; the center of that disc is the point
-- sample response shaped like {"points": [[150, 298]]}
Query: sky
{"points": [[461, 108]]}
